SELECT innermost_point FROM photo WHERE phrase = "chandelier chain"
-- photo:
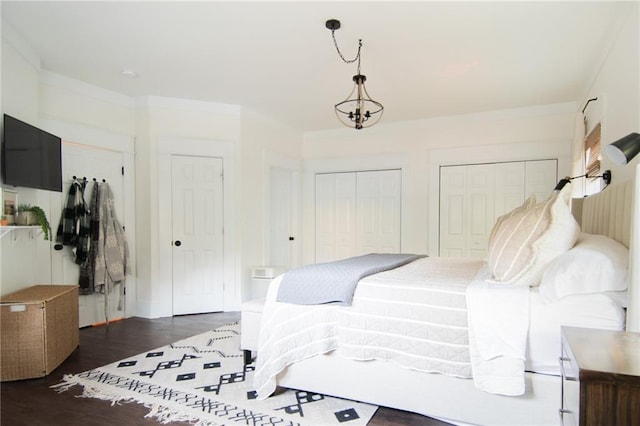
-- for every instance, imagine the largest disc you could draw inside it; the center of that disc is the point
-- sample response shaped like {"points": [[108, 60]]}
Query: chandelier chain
{"points": [[347, 61]]}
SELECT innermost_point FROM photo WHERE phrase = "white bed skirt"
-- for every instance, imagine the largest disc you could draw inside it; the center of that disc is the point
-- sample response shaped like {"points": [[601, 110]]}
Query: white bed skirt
{"points": [[447, 398]]}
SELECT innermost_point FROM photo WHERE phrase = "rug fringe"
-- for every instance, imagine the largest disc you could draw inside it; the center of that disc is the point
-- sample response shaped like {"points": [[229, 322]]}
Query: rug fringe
{"points": [[158, 412], [165, 415], [90, 391]]}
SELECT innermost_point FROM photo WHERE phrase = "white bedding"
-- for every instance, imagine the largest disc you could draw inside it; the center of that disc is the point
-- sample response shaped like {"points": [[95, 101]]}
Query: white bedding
{"points": [[498, 323], [392, 318], [599, 310], [414, 315]]}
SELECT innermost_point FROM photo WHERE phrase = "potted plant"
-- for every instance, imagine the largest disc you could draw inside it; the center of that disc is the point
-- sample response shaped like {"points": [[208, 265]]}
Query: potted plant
{"points": [[4, 221], [33, 215]]}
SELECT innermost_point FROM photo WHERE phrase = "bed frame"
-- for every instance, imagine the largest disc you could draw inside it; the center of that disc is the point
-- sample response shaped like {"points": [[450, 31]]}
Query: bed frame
{"points": [[455, 400]]}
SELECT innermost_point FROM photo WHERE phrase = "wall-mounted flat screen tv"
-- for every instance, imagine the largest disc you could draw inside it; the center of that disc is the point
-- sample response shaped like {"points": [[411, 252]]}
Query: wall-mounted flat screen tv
{"points": [[31, 157]]}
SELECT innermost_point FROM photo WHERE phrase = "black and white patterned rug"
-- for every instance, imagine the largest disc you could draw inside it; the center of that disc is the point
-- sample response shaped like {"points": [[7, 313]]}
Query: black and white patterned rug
{"points": [[203, 379]]}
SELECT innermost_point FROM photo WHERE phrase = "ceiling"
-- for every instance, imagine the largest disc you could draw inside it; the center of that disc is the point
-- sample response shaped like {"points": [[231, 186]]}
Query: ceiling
{"points": [[422, 59]]}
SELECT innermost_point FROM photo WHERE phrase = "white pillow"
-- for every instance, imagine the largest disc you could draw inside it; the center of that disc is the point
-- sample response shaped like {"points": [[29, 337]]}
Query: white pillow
{"points": [[528, 240], [596, 264]]}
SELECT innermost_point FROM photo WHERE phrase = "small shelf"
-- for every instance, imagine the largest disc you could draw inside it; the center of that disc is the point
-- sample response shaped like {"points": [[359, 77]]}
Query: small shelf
{"points": [[4, 230]]}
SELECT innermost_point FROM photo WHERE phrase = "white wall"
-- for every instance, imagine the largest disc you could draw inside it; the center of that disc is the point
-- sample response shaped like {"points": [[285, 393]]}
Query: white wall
{"points": [[616, 84], [173, 126], [42, 98], [262, 141], [20, 98]]}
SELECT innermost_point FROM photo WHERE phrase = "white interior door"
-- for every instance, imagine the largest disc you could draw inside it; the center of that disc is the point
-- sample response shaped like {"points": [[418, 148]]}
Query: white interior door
{"points": [[467, 209], [378, 195], [282, 218], [480, 209], [510, 191], [197, 216], [357, 213], [335, 216], [541, 178], [453, 205], [473, 196], [90, 162]]}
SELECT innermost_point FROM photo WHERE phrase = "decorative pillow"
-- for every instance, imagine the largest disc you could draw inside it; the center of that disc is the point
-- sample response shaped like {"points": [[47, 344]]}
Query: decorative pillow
{"points": [[528, 240], [596, 264], [528, 203]]}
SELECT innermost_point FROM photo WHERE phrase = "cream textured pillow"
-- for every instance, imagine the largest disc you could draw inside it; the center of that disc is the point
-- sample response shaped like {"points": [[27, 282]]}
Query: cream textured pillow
{"points": [[528, 203], [530, 239]]}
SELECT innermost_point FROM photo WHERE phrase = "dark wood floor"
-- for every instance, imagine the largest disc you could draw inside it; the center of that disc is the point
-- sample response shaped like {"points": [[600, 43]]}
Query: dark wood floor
{"points": [[32, 402]]}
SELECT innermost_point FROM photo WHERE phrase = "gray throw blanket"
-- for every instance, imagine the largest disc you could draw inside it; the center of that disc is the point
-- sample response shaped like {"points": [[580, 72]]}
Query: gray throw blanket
{"points": [[335, 282]]}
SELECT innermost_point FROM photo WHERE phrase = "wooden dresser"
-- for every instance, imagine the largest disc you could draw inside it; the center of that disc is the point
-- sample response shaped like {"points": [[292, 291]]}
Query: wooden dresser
{"points": [[600, 377]]}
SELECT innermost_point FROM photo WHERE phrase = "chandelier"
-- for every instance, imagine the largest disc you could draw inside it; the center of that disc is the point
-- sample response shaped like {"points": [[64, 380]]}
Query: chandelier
{"points": [[358, 109]]}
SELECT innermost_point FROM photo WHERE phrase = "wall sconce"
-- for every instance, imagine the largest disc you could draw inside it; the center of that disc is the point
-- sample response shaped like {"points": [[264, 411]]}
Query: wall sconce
{"points": [[623, 150], [606, 177]]}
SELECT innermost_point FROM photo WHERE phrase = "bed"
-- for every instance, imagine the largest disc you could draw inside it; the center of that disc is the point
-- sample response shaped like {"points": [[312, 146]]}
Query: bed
{"points": [[331, 349]]}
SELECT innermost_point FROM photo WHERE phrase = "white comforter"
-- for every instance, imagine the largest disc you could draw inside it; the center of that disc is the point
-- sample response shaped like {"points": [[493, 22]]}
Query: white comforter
{"points": [[414, 315]]}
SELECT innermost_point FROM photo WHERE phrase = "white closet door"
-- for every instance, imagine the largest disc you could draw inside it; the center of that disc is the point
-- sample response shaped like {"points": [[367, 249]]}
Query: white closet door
{"points": [[541, 178], [357, 213], [453, 204], [335, 216], [473, 196], [479, 215], [378, 195], [509, 188], [467, 209]]}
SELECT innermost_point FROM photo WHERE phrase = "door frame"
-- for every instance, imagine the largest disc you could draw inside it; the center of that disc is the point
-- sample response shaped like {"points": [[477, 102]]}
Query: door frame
{"points": [[74, 133], [162, 297], [275, 159]]}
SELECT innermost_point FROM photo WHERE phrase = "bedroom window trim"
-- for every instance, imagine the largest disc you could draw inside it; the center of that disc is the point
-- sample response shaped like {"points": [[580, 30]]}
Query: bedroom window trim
{"points": [[592, 153]]}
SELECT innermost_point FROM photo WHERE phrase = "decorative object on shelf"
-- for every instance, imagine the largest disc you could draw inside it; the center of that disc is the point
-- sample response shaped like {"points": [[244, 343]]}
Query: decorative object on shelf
{"points": [[623, 150], [4, 221], [359, 111], [9, 201], [28, 215]]}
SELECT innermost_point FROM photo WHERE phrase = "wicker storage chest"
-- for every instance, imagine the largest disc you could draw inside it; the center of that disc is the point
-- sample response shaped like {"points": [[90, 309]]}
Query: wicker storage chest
{"points": [[38, 330]]}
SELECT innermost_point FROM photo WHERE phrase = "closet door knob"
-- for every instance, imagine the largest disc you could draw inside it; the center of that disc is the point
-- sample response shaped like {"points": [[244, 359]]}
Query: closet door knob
{"points": [[178, 243]]}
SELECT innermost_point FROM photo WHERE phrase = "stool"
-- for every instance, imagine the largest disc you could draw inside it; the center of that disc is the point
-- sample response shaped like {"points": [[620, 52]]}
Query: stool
{"points": [[250, 317]]}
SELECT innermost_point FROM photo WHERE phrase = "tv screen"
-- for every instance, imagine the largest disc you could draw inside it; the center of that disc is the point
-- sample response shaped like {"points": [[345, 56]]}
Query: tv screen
{"points": [[30, 157]]}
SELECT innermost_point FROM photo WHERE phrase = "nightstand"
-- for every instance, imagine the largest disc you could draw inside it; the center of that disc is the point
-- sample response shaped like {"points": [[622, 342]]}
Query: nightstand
{"points": [[600, 377]]}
